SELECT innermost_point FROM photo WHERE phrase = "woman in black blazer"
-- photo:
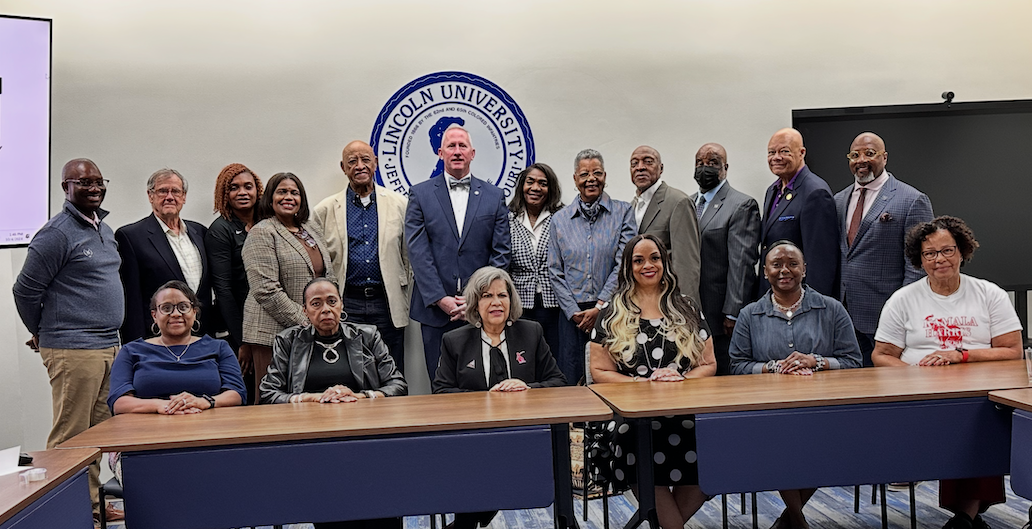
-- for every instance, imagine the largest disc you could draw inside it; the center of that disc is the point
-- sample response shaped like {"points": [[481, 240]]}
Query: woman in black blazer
{"points": [[495, 352]]}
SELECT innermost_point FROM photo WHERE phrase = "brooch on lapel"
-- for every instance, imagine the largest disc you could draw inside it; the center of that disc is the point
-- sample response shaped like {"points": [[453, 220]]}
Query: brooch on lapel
{"points": [[788, 196], [519, 357], [472, 364], [885, 217]]}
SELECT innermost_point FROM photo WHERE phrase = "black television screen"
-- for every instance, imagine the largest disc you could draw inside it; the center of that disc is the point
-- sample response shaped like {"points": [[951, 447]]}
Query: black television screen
{"points": [[971, 159]]}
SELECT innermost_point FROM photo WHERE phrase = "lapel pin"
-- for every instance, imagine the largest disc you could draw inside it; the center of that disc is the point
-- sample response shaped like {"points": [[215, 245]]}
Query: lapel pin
{"points": [[519, 357], [472, 364], [716, 207], [788, 196]]}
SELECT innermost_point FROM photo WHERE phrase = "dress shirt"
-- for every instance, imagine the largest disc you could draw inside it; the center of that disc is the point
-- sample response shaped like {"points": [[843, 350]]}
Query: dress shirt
{"points": [[584, 257], [186, 253], [782, 191], [537, 230], [873, 187], [459, 198], [708, 196], [642, 201], [363, 257], [486, 355]]}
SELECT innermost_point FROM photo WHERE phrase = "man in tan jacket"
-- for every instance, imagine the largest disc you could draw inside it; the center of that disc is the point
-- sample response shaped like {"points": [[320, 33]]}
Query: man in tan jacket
{"points": [[364, 228]]}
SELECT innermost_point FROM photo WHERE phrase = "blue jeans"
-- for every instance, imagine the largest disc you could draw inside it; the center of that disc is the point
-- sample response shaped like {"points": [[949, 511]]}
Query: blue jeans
{"points": [[570, 356]]}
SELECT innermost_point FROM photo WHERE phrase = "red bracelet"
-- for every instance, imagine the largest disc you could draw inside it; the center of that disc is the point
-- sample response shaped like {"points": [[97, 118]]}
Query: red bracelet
{"points": [[964, 352]]}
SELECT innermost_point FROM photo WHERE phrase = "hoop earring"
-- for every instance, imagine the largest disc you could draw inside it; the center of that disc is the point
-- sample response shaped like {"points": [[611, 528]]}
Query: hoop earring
{"points": [[154, 329], [196, 326], [343, 315]]}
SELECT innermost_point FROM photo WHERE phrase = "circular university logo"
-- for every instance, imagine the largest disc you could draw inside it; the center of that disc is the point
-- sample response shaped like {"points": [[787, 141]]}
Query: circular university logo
{"points": [[408, 131]]}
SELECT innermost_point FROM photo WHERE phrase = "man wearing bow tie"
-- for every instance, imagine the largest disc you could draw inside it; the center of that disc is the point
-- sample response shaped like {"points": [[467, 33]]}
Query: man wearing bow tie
{"points": [[874, 216], [454, 224]]}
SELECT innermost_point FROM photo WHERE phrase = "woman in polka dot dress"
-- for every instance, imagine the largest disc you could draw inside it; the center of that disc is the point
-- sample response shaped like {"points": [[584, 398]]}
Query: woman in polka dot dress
{"points": [[651, 333]]}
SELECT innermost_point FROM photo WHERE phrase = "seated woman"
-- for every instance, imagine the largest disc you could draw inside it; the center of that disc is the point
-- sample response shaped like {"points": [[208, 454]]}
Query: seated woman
{"points": [[331, 361], [949, 318], [792, 330], [650, 332], [496, 351], [174, 373]]}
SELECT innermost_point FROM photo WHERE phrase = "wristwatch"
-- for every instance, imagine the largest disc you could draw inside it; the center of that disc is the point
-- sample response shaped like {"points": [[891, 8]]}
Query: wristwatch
{"points": [[210, 400]]}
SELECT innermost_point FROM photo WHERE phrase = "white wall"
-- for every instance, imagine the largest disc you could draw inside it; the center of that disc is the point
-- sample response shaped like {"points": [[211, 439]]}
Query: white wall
{"points": [[280, 86]]}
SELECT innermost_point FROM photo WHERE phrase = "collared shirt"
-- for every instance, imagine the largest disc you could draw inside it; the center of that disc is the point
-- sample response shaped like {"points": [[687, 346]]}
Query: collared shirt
{"points": [[708, 195], [781, 191], [363, 230], [459, 198], [642, 200], [486, 355], [584, 257], [186, 253], [873, 187], [536, 230], [95, 221]]}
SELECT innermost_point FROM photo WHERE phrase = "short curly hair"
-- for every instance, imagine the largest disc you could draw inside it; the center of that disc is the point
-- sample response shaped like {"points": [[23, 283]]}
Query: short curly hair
{"points": [[962, 234], [225, 177]]}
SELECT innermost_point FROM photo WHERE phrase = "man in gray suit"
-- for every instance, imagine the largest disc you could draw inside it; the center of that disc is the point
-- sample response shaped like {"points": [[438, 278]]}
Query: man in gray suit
{"points": [[729, 224], [667, 213], [875, 214]]}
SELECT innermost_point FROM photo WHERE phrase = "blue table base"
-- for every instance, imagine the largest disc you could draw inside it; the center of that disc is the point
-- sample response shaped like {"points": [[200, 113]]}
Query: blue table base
{"points": [[340, 479], [67, 506]]}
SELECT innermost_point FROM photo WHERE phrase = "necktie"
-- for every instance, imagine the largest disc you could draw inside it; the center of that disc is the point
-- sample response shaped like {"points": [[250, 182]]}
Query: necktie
{"points": [[498, 370], [858, 213], [458, 184], [700, 207]]}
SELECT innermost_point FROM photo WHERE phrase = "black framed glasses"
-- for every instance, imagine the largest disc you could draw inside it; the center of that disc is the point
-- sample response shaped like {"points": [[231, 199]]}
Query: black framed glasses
{"points": [[931, 255], [168, 308]]}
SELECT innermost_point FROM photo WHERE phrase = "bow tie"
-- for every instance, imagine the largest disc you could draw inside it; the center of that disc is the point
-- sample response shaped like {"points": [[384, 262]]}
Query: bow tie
{"points": [[458, 184]]}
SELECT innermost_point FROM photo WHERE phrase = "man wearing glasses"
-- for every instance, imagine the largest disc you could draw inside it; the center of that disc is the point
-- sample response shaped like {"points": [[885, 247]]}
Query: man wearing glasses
{"points": [[874, 216], [70, 298], [159, 248], [798, 207]]}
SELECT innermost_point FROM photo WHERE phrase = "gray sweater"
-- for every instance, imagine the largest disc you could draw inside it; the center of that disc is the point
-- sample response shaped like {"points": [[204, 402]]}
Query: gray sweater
{"points": [[69, 292]]}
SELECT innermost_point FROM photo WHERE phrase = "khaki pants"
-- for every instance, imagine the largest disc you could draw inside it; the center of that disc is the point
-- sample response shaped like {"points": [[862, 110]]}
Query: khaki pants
{"points": [[79, 381]]}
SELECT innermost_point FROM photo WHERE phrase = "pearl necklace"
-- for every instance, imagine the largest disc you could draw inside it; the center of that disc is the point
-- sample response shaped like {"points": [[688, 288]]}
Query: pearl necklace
{"points": [[789, 311], [169, 349], [329, 351]]}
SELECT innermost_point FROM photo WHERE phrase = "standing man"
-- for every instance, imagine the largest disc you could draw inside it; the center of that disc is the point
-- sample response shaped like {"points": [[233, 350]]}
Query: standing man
{"points": [[669, 214], [69, 297], [875, 214], [798, 207], [729, 225], [159, 248], [363, 229], [454, 225]]}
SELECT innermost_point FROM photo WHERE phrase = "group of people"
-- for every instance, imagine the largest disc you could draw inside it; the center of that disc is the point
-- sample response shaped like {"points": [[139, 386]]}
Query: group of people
{"points": [[313, 302]]}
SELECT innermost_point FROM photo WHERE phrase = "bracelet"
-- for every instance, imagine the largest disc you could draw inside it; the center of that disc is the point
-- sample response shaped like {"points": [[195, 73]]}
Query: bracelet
{"points": [[210, 400], [773, 366], [369, 394], [821, 362], [964, 352]]}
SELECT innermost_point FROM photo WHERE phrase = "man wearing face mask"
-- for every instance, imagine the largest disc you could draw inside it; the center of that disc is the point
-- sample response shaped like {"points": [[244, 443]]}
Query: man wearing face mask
{"points": [[667, 213], [875, 214], [729, 226]]}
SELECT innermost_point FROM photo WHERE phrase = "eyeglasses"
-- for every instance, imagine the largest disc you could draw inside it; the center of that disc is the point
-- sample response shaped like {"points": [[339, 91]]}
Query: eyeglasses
{"points": [[784, 153], [867, 153], [88, 183], [596, 174], [162, 191], [168, 308], [931, 255]]}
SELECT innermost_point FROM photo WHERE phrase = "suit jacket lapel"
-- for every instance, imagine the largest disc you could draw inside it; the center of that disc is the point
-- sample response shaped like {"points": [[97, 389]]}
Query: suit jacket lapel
{"points": [[337, 221], [474, 352], [713, 207], [654, 205], [881, 202], [294, 243], [161, 245], [356, 360], [517, 345], [768, 218], [441, 190]]}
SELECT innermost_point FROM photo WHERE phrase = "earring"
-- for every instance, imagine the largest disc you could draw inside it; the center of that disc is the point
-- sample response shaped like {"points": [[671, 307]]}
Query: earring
{"points": [[508, 323], [154, 329], [343, 315], [477, 324], [196, 326]]}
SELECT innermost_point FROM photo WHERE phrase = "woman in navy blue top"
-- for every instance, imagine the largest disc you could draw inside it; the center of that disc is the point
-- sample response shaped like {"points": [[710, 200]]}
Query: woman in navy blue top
{"points": [[175, 373]]}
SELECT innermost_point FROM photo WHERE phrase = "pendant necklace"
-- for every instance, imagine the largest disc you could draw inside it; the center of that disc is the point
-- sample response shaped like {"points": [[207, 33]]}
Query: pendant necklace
{"points": [[169, 349], [789, 311], [329, 354]]}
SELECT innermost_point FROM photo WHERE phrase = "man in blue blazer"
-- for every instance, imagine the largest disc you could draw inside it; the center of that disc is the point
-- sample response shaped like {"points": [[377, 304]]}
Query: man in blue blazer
{"points": [[798, 207], [149, 260], [875, 214], [454, 224]]}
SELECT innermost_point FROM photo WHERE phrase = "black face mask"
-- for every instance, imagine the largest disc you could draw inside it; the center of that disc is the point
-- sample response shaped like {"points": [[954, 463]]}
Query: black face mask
{"points": [[707, 177]]}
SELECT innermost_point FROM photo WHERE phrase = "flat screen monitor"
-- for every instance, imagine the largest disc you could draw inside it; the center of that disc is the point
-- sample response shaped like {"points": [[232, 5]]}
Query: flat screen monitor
{"points": [[973, 160], [24, 128]]}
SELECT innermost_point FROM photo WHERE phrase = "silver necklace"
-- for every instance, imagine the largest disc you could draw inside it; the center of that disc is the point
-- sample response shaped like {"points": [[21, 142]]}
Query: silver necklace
{"points": [[169, 349], [329, 354], [789, 311]]}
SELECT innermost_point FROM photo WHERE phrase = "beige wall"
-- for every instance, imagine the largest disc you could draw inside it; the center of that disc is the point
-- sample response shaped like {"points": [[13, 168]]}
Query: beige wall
{"points": [[284, 85]]}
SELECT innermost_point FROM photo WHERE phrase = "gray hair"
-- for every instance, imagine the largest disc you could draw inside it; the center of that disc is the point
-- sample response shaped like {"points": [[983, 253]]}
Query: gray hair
{"points": [[588, 154], [479, 283], [460, 127], [166, 173]]}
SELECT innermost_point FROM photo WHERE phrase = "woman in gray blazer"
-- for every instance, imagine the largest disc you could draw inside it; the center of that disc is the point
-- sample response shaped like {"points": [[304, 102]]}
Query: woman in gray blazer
{"points": [[281, 255]]}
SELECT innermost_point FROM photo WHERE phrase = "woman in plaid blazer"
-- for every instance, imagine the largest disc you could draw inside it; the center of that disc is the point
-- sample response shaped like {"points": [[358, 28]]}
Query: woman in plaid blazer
{"points": [[282, 254], [537, 195]]}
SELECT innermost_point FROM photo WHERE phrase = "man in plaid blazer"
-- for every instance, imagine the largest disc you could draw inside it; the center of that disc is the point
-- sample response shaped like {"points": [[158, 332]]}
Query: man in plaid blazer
{"points": [[871, 239]]}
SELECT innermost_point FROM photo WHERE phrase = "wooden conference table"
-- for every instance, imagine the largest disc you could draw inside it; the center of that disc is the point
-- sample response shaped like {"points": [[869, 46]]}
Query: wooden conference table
{"points": [[849, 427], [310, 462], [60, 500], [1021, 438]]}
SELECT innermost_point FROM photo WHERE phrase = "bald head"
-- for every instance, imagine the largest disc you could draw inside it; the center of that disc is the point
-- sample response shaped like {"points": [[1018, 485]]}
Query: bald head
{"points": [[359, 163], [71, 169], [867, 157], [786, 153]]}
